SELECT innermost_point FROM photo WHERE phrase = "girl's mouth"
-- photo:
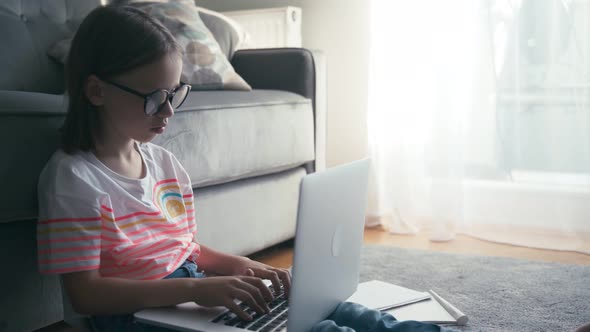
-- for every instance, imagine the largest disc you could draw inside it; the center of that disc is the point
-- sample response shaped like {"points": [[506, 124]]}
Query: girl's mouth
{"points": [[157, 130]]}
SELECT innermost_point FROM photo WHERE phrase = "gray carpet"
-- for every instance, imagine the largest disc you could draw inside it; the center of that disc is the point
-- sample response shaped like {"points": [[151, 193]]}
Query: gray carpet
{"points": [[497, 294]]}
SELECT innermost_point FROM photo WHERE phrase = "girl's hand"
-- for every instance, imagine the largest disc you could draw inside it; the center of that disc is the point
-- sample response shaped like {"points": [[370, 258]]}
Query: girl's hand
{"points": [[248, 267], [223, 291], [215, 262]]}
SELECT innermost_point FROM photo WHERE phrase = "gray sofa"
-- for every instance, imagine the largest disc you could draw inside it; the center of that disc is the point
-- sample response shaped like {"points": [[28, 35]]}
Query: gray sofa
{"points": [[244, 151]]}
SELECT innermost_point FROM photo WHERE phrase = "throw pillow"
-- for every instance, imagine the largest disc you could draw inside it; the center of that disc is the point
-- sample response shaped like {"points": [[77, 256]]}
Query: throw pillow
{"points": [[205, 67], [229, 34], [59, 50]]}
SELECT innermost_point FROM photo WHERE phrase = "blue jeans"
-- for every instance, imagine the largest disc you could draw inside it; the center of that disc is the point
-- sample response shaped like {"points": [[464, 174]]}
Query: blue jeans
{"points": [[353, 317], [348, 317]]}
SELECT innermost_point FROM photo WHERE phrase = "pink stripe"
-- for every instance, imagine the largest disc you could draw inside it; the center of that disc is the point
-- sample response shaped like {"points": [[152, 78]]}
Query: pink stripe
{"points": [[190, 211], [147, 225], [148, 213], [147, 253], [162, 233], [165, 181], [55, 250], [156, 213], [187, 196], [154, 228], [127, 253], [116, 240], [48, 221], [106, 208], [180, 231], [69, 239], [160, 266], [177, 262], [110, 265], [68, 259], [161, 255], [137, 269], [70, 269]]}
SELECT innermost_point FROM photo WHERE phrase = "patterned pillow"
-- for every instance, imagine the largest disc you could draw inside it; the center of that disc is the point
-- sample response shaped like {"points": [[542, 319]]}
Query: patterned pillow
{"points": [[205, 66], [229, 34], [59, 50]]}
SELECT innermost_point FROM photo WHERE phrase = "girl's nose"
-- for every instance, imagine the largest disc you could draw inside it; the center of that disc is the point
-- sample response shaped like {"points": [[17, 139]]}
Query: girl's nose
{"points": [[166, 110]]}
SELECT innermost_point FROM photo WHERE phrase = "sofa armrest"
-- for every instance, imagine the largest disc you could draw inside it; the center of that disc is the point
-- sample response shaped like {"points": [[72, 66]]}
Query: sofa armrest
{"points": [[296, 70], [287, 69], [28, 138]]}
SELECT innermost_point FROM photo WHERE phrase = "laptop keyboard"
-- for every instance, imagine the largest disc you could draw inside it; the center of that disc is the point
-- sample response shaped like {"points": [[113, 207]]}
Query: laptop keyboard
{"points": [[275, 320]]}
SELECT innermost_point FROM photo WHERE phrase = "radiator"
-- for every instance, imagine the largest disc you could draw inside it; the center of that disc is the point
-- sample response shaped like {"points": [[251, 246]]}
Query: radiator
{"points": [[270, 27]]}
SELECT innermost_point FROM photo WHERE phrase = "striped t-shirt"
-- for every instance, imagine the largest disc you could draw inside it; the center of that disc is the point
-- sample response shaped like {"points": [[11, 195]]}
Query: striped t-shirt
{"points": [[93, 218]]}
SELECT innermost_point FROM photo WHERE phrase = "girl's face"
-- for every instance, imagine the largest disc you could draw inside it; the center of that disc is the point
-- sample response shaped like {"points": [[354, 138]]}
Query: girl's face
{"points": [[122, 114]]}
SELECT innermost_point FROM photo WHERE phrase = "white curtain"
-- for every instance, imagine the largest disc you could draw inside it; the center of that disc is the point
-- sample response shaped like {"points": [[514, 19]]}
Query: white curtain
{"points": [[479, 120]]}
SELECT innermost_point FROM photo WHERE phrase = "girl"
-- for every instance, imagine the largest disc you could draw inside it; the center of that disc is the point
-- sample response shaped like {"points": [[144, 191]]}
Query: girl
{"points": [[116, 215]]}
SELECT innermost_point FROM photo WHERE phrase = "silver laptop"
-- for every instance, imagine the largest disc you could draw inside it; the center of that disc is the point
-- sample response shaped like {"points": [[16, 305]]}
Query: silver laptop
{"points": [[326, 262]]}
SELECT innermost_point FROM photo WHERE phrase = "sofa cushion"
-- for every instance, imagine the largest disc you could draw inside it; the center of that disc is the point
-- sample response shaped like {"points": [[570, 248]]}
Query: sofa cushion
{"points": [[221, 136], [218, 136], [28, 29]]}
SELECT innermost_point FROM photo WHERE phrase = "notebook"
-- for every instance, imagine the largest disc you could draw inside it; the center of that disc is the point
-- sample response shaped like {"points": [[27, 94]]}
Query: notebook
{"points": [[328, 240], [379, 295], [407, 304]]}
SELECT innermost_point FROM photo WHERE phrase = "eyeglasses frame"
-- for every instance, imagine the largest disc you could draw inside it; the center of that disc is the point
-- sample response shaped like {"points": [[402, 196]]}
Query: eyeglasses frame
{"points": [[169, 94]]}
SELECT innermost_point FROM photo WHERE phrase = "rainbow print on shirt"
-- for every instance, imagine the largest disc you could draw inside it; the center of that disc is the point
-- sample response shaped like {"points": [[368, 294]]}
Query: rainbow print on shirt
{"points": [[168, 197]]}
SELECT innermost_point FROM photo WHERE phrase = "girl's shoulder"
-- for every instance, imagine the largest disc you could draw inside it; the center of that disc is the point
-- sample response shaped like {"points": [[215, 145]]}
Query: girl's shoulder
{"points": [[61, 161], [63, 168]]}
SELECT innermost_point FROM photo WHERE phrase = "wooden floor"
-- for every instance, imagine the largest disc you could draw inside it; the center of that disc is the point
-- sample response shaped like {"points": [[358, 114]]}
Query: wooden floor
{"points": [[282, 254]]}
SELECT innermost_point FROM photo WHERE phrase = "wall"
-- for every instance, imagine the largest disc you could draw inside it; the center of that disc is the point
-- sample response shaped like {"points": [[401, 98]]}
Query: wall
{"points": [[340, 28]]}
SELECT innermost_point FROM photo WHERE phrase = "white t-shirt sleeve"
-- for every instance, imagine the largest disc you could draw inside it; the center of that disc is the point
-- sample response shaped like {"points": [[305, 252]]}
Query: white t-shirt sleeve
{"points": [[70, 222]]}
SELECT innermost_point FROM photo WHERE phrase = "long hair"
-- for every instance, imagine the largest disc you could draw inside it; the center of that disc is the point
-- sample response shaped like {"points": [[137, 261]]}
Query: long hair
{"points": [[111, 40]]}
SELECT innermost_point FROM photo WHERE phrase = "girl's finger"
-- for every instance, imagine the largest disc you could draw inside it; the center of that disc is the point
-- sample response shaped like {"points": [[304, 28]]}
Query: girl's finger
{"points": [[285, 277], [258, 283], [254, 296], [236, 309], [272, 276]]}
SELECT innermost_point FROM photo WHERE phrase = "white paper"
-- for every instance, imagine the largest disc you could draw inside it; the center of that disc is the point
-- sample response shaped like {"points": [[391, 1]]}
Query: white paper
{"points": [[381, 295], [425, 311]]}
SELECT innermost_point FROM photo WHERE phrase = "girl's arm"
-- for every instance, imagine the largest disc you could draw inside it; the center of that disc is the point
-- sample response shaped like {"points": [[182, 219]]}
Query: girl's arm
{"points": [[92, 294], [212, 261]]}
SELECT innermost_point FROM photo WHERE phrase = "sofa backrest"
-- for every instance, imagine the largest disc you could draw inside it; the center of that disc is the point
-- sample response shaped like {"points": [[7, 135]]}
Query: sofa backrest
{"points": [[27, 29]]}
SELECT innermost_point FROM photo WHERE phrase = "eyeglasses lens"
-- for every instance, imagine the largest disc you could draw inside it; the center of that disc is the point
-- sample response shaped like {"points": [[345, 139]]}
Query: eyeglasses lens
{"points": [[154, 101], [180, 96]]}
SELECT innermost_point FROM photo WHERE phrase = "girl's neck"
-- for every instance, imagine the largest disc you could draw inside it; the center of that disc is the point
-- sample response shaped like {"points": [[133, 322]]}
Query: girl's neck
{"points": [[123, 150], [121, 157]]}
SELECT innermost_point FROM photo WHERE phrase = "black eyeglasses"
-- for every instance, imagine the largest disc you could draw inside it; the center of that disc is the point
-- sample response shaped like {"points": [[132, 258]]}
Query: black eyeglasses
{"points": [[153, 101]]}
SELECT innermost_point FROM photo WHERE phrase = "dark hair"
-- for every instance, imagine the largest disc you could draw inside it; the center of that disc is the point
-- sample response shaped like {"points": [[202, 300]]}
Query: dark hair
{"points": [[111, 40]]}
